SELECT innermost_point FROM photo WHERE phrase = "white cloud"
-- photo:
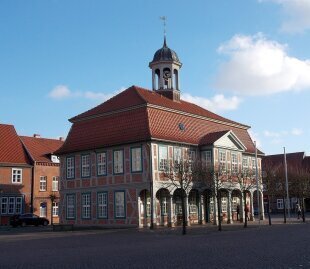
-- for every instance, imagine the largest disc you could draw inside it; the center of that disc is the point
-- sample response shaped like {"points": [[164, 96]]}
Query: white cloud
{"points": [[258, 66], [297, 12], [296, 131], [62, 92], [216, 103]]}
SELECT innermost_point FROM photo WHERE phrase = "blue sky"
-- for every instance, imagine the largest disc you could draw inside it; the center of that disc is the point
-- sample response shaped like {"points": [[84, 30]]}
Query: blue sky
{"points": [[248, 60]]}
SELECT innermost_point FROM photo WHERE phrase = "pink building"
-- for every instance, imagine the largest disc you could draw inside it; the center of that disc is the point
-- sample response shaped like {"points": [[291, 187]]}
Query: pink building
{"points": [[113, 159]]}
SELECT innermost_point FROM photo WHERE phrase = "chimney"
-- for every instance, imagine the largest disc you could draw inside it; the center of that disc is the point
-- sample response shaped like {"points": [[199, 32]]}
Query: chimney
{"points": [[61, 138], [37, 136]]}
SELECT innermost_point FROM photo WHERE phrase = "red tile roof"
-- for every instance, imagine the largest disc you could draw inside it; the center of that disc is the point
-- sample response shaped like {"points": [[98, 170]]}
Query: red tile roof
{"points": [[40, 149], [137, 115], [11, 148], [293, 159]]}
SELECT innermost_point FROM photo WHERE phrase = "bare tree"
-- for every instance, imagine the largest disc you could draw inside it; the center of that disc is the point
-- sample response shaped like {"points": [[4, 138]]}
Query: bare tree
{"points": [[179, 174]]}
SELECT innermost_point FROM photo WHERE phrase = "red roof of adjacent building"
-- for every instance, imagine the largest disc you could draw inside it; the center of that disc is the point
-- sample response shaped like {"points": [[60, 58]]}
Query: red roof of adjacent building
{"points": [[11, 148], [40, 149], [137, 115]]}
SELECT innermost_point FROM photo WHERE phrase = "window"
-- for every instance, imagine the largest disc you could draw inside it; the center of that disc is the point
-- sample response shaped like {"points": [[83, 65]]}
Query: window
{"points": [[102, 204], [234, 163], [86, 165], [55, 209], [222, 161], [119, 201], [11, 205], [211, 205], [70, 167], [192, 156], [148, 206], [118, 161], [253, 166], [178, 205], [43, 183], [70, 206], [43, 209], [17, 175], [86, 206], [55, 184], [177, 156], [234, 203], [224, 204], [245, 164], [164, 205], [101, 163], [192, 204], [207, 158], [4, 205], [136, 159], [280, 204], [163, 158]]}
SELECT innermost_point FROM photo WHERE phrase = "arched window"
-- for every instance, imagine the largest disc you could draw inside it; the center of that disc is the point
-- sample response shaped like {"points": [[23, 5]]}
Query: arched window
{"points": [[157, 79], [167, 78], [175, 79]]}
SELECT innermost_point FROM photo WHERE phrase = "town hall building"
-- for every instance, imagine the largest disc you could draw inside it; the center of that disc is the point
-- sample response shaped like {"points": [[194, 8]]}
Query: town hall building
{"points": [[114, 159]]}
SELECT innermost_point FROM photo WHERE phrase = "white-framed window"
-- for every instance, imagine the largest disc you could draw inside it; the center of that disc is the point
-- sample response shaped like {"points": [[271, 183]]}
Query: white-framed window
{"points": [[177, 156], [224, 204], [55, 184], [148, 206], [207, 158], [4, 205], [222, 161], [192, 204], [118, 161], [55, 209], [164, 205], [234, 163], [102, 204], [85, 165], [86, 206], [235, 201], [101, 163], [136, 159], [253, 166], [119, 201], [178, 205], [43, 180], [70, 167], [192, 155], [17, 175], [70, 206], [163, 158], [11, 205], [245, 163], [43, 209], [280, 204]]}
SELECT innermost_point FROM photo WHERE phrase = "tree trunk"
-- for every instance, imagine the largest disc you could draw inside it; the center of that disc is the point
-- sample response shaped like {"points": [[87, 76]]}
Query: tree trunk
{"points": [[268, 208], [219, 207], [303, 209]]}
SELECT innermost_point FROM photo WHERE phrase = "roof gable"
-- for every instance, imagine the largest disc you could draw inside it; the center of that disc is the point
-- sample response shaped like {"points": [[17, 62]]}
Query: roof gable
{"points": [[231, 141], [41, 149], [11, 148]]}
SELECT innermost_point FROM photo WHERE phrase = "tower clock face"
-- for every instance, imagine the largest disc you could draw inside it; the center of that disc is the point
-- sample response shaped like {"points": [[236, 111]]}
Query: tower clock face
{"points": [[167, 74]]}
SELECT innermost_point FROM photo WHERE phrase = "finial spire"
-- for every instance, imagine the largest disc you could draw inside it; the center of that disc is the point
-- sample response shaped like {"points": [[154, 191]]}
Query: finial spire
{"points": [[164, 19]]}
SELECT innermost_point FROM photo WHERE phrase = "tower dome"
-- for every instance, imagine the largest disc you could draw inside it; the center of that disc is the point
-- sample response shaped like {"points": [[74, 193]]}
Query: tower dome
{"points": [[165, 54]]}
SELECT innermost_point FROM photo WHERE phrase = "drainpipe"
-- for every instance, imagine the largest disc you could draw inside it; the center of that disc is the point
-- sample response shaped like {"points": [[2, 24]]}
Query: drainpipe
{"points": [[32, 187]]}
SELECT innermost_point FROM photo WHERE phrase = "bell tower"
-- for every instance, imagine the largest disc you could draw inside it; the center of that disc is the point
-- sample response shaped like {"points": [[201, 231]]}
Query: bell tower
{"points": [[165, 72]]}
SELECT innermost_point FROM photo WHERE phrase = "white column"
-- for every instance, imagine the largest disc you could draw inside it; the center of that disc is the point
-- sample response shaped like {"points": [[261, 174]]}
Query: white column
{"points": [[229, 208], [201, 209], [241, 207], [187, 210], [215, 205], [262, 211], [171, 212]]}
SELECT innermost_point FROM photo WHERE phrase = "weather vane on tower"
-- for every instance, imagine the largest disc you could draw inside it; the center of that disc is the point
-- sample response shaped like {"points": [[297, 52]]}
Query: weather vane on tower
{"points": [[164, 19]]}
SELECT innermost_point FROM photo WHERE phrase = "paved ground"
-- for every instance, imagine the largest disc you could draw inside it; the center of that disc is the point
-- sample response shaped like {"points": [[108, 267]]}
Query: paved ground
{"points": [[264, 246]]}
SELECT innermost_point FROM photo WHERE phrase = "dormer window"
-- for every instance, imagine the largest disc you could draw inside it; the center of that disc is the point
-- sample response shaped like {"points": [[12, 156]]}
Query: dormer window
{"points": [[54, 158]]}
